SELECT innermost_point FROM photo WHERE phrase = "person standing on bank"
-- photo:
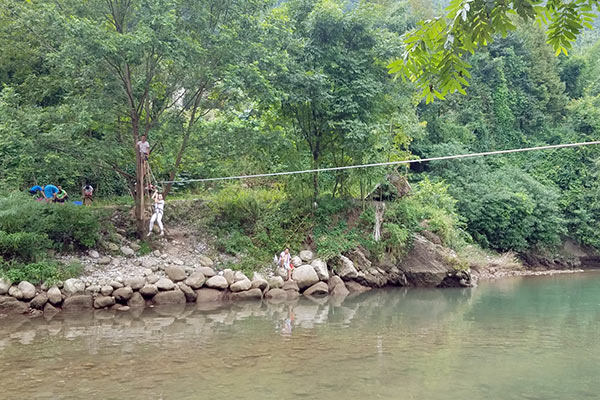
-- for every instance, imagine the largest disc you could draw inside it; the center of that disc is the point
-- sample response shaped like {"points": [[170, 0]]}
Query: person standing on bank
{"points": [[285, 262], [159, 206]]}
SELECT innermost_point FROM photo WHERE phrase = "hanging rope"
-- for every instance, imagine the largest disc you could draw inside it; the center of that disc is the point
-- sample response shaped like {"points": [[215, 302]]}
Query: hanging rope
{"points": [[453, 157]]}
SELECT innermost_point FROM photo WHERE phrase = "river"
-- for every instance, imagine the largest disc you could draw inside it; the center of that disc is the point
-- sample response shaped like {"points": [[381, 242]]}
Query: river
{"points": [[517, 338]]}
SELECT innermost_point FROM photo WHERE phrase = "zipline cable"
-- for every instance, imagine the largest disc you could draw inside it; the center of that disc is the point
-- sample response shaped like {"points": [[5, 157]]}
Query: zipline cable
{"points": [[382, 164]]}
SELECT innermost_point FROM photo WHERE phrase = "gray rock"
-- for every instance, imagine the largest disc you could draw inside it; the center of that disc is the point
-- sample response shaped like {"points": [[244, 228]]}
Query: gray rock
{"points": [[149, 263], [149, 290], [94, 254], [4, 286], [123, 294], [346, 268], [170, 297], [426, 264], [113, 247], [359, 260], [165, 284], [176, 274], [189, 293], [136, 301], [258, 282], [27, 290], [116, 284], [217, 282], [177, 262], [239, 276], [15, 292], [275, 282], [320, 267], [276, 294], [152, 278], [196, 280], [104, 260], [127, 251], [207, 272], [281, 273], [334, 280], [205, 262], [241, 286], [135, 246], [340, 290], [104, 301], [156, 253], [207, 295], [292, 294], [297, 261], [39, 301], [228, 275], [106, 290], [317, 290], [252, 294], [54, 296], [355, 287], [78, 303], [73, 286], [135, 283], [305, 276], [50, 310], [93, 289], [306, 255], [290, 285], [12, 306]]}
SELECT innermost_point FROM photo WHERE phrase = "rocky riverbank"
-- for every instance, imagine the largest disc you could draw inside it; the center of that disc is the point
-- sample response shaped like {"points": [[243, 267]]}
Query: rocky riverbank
{"points": [[182, 274]]}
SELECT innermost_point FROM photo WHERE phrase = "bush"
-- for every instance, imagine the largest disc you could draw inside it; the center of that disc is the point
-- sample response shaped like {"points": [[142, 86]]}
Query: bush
{"points": [[23, 246], [39, 272], [67, 226]]}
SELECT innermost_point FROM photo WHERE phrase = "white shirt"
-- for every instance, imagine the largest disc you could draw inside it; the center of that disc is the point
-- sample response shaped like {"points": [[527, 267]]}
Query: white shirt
{"points": [[144, 147], [159, 206]]}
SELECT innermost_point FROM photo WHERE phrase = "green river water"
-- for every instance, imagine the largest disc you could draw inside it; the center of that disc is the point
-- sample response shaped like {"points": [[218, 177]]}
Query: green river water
{"points": [[518, 338]]}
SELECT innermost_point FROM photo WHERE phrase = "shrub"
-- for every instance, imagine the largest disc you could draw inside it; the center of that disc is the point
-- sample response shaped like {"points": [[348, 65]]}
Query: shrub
{"points": [[23, 246], [40, 272]]}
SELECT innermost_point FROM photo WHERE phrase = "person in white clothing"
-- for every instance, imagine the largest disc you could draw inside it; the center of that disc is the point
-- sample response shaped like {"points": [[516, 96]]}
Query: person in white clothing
{"points": [[285, 262], [159, 206], [144, 148]]}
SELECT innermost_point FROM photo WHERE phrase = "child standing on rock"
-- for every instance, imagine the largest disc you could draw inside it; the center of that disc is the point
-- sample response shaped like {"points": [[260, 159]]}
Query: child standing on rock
{"points": [[285, 262]]}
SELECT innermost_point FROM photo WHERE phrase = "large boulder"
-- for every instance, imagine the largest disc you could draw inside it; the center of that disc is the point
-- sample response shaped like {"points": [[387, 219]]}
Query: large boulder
{"points": [[165, 284], [208, 295], [175, 273], [426, 264], [241, 286], [359, 259], [258, 282], [135, 283], [229, 276], [276, 294], [123, 294], [106, 290], [297, 261], [306, 256], [207, 271], [78, 303], [149, 290], [4, 286], [239, 276], [320, 267], [27, 290], [196, 280], [291, 285], [15, 292], [317, 290], [170, 297], [12, 306], [190, 294], [73, 286], [252, 294], [334, 281], [275, 282], [136, 301], [355, 287], [305, 276], [54, 296], [104, 301], [205, 261], [340, 290], [217, 282], [39, 301], [345, 268]]}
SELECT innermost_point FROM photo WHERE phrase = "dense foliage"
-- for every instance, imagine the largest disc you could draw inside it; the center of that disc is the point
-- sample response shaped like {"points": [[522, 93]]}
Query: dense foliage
{"points": [[243, 87]]}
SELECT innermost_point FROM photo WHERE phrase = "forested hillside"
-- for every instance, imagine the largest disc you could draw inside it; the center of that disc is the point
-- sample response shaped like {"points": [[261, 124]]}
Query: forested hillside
{"points": [[223, 88]]}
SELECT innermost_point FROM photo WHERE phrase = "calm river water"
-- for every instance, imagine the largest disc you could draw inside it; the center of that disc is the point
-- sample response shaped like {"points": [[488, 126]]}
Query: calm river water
{"points": [[520, 338]]}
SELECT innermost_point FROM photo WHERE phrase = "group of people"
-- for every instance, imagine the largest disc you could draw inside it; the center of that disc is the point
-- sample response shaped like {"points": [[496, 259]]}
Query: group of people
{"points": [[56, 194]]}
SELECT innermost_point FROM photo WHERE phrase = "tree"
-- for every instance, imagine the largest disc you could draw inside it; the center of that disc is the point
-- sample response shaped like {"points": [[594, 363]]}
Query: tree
{"points": [[434, 56], [131, 63]]}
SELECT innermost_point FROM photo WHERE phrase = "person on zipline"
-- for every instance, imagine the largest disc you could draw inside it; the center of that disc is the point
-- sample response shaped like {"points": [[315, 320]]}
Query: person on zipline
{"points": [[61, 195], [159, 206]]}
